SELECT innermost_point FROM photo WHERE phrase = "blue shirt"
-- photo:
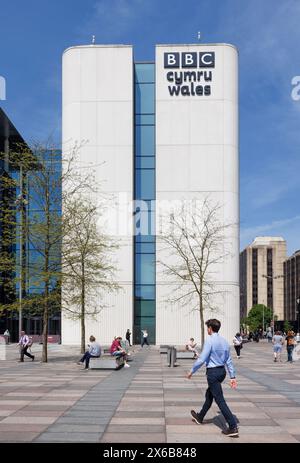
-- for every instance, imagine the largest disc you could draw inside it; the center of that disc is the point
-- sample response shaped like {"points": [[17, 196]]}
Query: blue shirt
{"points": [[95, 349], [215, 353]]}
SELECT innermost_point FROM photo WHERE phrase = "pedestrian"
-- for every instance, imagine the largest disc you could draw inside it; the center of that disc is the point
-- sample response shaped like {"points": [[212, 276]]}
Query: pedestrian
{"points": [[93, 352], [269, 335], [6, 335], [216, 354], [24, 343], [256, 336], [117, 351], [127, 336], [145, 338], [238, 344], [290, 344], [298, 338], [278, 342]]}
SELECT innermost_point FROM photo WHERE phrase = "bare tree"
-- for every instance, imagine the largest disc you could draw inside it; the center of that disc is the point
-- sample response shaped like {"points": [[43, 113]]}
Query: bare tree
{"points": [[194, 247], [87, 268]]}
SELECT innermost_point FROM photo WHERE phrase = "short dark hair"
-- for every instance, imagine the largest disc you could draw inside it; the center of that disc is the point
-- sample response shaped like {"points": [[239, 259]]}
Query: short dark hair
{"points": [[214, 324]]}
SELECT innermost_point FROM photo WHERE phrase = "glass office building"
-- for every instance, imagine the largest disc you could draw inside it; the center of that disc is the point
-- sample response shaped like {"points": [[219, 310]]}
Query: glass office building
{"points": [[11, 144], [157, 133]]}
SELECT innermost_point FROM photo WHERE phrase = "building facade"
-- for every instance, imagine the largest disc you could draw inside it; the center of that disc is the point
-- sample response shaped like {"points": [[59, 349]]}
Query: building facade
{"points": [[291, 286], [156, 134], [18, 207], [261, 275]]}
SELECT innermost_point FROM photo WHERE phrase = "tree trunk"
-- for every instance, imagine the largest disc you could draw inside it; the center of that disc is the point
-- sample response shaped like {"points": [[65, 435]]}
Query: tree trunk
{"points": [[201, 319], [45, 333], [82, 318]]}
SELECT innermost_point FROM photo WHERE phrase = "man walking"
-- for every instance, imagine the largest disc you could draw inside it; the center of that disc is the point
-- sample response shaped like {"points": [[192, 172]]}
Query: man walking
{"points": [[145, 338], [24, 344], [216, 354], [278, 341]]}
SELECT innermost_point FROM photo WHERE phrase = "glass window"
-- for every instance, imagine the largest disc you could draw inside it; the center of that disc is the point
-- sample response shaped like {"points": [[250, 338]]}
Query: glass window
{"points": [[145, 269], [146, 162], [144, 309], [144, 140], [144, 98], [144, 72], [145, 119], [144, 239], [145, 184], [145, 248], [145, 292]]}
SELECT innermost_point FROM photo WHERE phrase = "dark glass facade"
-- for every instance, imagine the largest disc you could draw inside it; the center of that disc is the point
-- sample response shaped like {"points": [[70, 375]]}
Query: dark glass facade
{"points": [[144, 195], [11, 141], [291, 286]]}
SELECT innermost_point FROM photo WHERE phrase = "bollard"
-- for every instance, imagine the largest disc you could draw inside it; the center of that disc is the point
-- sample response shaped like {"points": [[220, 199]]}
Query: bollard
{"points": [[171, 356]]}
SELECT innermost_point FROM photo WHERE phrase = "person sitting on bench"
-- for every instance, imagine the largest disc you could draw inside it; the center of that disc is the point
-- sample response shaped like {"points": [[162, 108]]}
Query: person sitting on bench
{"points": [[191, 346], [93, 352], [117, 351]]}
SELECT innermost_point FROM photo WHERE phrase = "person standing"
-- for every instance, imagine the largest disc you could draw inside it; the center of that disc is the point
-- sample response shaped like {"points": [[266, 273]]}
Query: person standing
{"points": [[7, 336], [145, 338], [93, 352], [238, 344], [290, 344], [24, 343], [269, 335], [216, 355], [127, 336], [277, 346]]}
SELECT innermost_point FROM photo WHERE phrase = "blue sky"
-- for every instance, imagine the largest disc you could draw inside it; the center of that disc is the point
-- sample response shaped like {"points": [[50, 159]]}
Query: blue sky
{"points": [[34, 33]]}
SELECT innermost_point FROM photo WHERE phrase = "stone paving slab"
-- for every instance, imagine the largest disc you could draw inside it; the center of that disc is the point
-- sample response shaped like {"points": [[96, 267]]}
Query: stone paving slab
{"points": [[147, 402]]}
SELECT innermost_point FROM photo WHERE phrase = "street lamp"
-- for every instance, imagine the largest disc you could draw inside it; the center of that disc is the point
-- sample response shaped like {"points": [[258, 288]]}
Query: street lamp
{"points": [[273, 278]]}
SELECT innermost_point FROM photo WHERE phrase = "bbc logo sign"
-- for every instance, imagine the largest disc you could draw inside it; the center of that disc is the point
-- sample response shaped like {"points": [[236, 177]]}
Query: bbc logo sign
{"points": [[200, 59]]}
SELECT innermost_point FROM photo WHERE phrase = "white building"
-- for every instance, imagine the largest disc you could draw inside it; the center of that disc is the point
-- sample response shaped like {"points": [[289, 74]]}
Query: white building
{"points": [[157, 132]]}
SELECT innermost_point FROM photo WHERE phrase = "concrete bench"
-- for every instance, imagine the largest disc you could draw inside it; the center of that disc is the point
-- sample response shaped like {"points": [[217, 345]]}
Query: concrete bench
{"points": [[163, 349], [106, 362]]}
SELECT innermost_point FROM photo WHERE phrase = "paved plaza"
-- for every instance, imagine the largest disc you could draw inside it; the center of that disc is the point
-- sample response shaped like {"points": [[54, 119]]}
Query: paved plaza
{"points": [[149, 402]]}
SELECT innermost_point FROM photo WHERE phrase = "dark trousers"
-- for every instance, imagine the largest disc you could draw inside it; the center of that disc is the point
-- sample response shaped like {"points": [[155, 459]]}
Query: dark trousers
{"points": [[24, 352], [128, 339], [86, 358], [215, 377], [145, 341], [238, 350], [290, 353]]}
